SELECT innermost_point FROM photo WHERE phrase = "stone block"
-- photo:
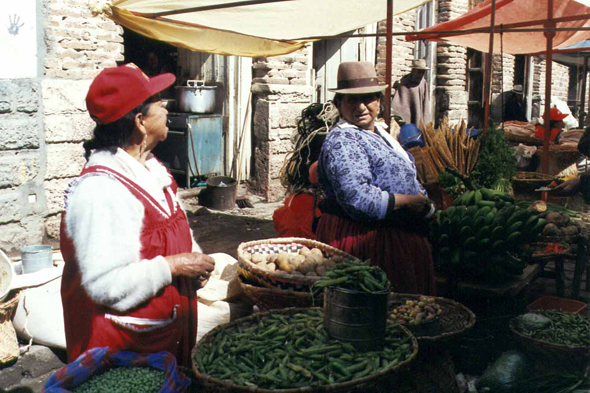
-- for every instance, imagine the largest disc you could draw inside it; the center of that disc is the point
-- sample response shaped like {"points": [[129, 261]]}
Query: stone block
{"points": [[10, 203], [73, 128], [20, 132], [64, 96], [289, 114], [52, 226], [54, 194], [26, 95], [299, 66], [32, 369], [64, 160], [19, 168], [289, 74], [13, 236], [298, 82]]}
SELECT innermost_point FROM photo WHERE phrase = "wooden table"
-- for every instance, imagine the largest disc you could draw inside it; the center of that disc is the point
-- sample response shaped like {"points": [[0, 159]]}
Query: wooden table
{"points": [[509, 288]]}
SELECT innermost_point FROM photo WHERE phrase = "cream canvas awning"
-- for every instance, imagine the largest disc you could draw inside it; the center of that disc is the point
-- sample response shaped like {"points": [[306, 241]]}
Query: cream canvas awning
{"points": [[245, 29]]}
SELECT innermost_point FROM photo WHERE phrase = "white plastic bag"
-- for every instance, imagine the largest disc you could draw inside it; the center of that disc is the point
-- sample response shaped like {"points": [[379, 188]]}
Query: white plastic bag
{"points": [[224, 282]]}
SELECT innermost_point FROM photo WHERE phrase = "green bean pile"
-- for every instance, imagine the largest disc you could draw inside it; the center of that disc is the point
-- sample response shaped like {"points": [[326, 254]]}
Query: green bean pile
{"points": [[125, 380], [283, 351], [565, 328], [356, 275]]}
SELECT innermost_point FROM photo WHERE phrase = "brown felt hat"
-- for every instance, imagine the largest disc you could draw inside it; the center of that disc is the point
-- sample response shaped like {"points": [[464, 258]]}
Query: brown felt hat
{"points": [[357, 77]]}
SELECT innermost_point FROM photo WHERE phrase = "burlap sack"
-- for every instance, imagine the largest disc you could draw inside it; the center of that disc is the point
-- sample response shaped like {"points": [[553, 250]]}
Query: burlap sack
{"points": [[9, 348]]}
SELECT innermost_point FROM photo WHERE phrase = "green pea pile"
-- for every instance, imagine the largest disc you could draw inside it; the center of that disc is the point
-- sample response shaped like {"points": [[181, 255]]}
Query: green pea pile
{"points": [[125, 380], [285, 351]]}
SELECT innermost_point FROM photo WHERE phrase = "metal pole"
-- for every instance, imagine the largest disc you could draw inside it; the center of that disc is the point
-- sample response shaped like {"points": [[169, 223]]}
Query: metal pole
{"points": [[582, 116], [548, 70], [488, 75], [388, 60]]}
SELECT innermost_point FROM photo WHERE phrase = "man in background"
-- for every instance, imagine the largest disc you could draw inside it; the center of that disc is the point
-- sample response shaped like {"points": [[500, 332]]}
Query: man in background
{"points": [[411, 99], [514, 106]]}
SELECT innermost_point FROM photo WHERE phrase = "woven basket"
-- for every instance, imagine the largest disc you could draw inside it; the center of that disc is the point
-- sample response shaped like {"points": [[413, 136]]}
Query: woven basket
{"points": [[280, 279], [526, 139], [551, 350], [9, 348], [369, 383], [276, 298], [454, 320]]}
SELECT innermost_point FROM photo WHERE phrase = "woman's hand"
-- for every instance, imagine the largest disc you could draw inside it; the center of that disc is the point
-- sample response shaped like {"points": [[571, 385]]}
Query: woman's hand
{"points": [[192, 265], [415, 205], [567, 188]]}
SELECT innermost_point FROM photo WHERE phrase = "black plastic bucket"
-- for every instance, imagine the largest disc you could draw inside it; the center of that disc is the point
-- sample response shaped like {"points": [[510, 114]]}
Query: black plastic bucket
{"points": [[356, 317], [220, 193]]}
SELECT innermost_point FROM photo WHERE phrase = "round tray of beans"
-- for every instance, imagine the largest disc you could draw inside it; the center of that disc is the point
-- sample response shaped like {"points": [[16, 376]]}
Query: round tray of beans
{"points": [[290, 350], [554, 333]]}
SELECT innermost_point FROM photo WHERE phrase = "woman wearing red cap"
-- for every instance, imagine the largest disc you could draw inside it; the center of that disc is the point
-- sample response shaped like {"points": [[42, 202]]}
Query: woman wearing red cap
{"points": [[556, 125], [131, 264]]}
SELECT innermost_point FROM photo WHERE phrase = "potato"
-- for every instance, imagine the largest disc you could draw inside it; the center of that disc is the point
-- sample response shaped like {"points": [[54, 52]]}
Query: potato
{"points": [[320, 270], [557, 218], [335, 258], [551, 230], [247, 256], [282, 258], [258, 258], [272, 258], [271, 267], [315, 259], [311, 274], [284, 265], [329, 263], [571, 230], [296, 260], [306, 267], [317, 251], [304, 251], [297, 273]]}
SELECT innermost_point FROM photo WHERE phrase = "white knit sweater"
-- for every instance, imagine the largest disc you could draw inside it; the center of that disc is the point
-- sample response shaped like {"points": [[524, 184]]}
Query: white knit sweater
{"points": [[104, 220]]}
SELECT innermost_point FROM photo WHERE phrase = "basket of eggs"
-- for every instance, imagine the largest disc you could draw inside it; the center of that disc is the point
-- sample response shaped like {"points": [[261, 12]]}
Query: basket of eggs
{"points": [[280, 272]]}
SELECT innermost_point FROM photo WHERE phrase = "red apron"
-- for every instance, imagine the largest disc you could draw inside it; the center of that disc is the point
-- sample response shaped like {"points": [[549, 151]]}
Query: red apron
{"points": [[168, 321]]}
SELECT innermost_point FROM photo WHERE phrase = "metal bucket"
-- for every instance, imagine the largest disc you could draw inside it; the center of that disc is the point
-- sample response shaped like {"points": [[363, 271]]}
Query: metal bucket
{"points": [[35, 258], [217, 196], [356, 317]]}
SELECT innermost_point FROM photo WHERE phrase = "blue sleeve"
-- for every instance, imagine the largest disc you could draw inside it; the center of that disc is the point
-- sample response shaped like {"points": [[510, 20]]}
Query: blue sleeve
{"points": [[347, 170]]}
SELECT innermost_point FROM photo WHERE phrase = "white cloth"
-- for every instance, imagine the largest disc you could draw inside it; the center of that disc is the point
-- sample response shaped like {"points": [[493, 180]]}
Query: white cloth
{"points": [[107, 236]]}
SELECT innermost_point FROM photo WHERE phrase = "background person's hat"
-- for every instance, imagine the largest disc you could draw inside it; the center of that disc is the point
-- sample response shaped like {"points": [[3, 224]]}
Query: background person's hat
{"points": [[357, 77], [518, 89], [118, 90], [556, 114], [419, 64]]}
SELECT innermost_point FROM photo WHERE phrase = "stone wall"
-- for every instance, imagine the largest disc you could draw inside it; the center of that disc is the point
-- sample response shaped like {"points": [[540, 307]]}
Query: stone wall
{"points": [[44, 121], [451, 94], [281, 91], [22, 164], [402, 51], [79, 45], [502, 83], [559, 85]]}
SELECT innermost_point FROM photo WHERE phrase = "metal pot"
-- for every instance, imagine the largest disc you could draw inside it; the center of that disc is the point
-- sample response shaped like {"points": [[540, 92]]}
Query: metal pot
{"points": [[196, 97]]}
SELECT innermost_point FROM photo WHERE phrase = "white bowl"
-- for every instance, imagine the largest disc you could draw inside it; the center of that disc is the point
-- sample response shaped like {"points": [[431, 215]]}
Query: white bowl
{"points": [[6, 275]]}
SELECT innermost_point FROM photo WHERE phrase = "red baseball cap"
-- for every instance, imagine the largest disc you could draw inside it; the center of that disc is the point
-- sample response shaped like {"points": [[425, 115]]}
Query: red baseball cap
{"points": [[117, 90], [556, 114]]}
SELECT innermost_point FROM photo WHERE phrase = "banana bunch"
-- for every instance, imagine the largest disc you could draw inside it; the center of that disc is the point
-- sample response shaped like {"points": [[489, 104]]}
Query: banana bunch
{"points": [[484, 241], [484, 197]]}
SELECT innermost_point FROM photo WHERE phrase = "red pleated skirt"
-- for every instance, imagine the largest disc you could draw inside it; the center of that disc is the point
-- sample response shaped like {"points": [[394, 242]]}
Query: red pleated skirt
{"points": [[405, 256]]}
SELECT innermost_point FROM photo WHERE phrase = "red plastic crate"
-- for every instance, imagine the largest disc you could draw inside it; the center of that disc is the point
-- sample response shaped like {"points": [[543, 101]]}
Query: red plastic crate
{"points": [[557, 303]]}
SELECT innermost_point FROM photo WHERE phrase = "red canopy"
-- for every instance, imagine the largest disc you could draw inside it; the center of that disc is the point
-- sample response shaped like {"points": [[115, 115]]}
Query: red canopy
{"points": [[513, 14]]}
